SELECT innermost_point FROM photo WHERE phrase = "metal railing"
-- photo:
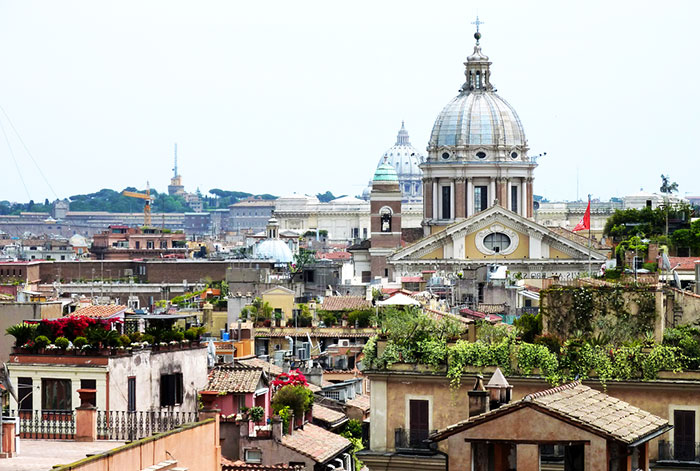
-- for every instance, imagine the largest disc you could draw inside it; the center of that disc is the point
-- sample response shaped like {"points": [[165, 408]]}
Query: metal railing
{"points": [[679, 451], [122, 425], [413, 440], [44, 424]]}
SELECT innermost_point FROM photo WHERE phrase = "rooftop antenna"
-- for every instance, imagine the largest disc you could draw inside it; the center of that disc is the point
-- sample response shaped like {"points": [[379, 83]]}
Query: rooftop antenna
{"points": [[175, 168]]}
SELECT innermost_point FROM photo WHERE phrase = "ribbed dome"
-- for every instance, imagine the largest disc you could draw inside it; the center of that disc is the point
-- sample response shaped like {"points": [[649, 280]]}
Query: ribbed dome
{"points": [[478, 124], [403, 157], [385, 173], [405, 160], [478, 119]]}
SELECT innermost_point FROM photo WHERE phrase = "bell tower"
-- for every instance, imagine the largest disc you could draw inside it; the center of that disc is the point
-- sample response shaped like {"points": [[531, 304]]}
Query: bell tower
{"points": [[385, 219]]}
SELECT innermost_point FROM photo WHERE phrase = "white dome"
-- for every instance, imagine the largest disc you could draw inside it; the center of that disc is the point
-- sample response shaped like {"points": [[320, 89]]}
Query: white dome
{"points": [[406, 160], [273, 249]]}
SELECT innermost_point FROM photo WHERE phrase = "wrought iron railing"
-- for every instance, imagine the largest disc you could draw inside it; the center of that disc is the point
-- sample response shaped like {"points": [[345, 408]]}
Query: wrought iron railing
{"points": [[121, 425], [415, 440], [679, 451], [44, 424]]}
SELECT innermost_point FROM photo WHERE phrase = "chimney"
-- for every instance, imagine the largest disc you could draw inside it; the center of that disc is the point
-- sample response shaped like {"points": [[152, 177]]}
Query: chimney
{"points": [[478, 398], [500, 390], [276, 428]]}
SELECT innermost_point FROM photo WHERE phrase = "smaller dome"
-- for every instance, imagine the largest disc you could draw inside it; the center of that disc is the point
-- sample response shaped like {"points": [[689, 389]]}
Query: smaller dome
{"points": [[385, 173], [274, 249]]}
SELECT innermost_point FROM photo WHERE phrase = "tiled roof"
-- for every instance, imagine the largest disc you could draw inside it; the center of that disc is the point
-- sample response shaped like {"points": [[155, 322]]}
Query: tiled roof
{"points": [[334, 256], [329, 416], [492, 308], [345, 303], [316, 442], [437, 315], [324, 332], [361, 401], [238, 465], [412, 279], [234, 379], [583, 407], [271, 369], [106, 310], [684, 263]]}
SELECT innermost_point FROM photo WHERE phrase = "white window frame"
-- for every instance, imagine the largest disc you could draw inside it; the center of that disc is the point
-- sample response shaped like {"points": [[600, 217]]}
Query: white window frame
{"points": [[675, 407]]}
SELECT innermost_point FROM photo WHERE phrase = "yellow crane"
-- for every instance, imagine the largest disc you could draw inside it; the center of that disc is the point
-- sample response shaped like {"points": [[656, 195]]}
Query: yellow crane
{"points": [[147, 206]]}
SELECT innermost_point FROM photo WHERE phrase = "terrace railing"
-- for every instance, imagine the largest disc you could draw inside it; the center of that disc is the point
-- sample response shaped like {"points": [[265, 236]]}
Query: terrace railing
{"points": [[45, 424], [134, 425]]}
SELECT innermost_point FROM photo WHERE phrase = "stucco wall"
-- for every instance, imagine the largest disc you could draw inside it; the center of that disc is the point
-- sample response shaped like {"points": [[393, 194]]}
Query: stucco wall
{"points": [[517, 426], [147, 367], [689, 304], [14, 313], [179, 445]]}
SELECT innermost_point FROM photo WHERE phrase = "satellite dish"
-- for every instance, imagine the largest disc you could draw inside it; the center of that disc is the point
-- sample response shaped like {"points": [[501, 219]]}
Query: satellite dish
{"points": [[676, 279]]}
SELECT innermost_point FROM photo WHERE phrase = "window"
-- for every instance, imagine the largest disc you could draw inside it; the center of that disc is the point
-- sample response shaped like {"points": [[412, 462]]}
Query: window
{"points": [[446, 203], [131, 387], [364, 232], [163, 244], [480, 198], [445, 155], [138, 244], [514, 199], [481, 154], [366, 276], [149, 244], [170, 389], [386, 222], [684, 435], [56, 394], [513, 155], [418, 422], [25, 393], [497, 242], [253, 456]]}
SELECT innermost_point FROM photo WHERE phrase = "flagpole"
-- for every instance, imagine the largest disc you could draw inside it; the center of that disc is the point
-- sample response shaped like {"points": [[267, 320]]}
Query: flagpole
{"points": [[589, 240]]}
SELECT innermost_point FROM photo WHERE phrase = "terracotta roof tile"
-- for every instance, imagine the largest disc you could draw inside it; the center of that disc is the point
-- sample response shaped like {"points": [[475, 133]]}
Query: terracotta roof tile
{"points": [[345, 303], [581, 405], [104, 310], [238, 465], [234, 379], [684, 263], [361, 401], [271, 369], [316, 442], [327, 415]]}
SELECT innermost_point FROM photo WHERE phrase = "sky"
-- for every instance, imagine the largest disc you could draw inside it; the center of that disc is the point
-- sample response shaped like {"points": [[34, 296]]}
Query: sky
{"points": [[305, 96]]}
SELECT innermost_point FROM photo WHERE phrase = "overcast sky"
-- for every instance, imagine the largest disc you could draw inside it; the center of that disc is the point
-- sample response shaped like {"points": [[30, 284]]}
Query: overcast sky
{"points": [[296, 96]]}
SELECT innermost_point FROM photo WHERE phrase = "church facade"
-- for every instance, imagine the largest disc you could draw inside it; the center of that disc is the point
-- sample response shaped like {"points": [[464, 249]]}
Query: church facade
{"points": [[478, 196]]}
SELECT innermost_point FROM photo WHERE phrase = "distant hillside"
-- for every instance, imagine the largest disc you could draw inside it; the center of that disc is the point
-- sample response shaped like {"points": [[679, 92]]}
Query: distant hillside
{"points": [[114, 202]]}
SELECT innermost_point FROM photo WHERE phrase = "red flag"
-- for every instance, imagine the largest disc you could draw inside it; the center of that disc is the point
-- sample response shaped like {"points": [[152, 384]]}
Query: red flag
{"points": [[585, 222]]}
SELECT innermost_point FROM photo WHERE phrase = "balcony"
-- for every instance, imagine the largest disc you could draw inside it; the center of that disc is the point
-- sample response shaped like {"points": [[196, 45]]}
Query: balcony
{"points": [[679, 452], [413, 441]]}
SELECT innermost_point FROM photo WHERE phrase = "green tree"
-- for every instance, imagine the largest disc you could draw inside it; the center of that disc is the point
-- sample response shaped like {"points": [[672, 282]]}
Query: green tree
{"points": [[667, 186]]}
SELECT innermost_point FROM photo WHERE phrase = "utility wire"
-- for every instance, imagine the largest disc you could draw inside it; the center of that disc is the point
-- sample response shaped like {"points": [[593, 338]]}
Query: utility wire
{"points": [[27, 150], [19, 172]]}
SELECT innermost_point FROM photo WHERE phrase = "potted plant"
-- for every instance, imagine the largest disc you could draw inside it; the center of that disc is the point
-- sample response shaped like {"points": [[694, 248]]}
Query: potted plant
{"points": [[41, 342], [278, 318], [255, 414]]}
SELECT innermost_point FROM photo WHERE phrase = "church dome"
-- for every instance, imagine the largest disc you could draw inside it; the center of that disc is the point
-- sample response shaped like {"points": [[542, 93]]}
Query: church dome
{"points": [[385, 173], [405, 160], [274, 249], [403, 157], [478, 124]]}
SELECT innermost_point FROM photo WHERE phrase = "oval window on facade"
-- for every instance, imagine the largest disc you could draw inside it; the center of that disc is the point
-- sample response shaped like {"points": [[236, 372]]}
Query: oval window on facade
{"points": [[498, 242], [514, 155], [481, 154], [445, 155]]}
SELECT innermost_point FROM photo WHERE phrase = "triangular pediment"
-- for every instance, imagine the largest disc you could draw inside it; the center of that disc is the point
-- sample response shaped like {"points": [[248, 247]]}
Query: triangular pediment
{"points": [[466, 240]]}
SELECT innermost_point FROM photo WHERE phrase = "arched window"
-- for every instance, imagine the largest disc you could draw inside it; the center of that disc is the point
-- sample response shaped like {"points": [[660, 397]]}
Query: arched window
{"points": [[478, 79], [386, 221]]}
